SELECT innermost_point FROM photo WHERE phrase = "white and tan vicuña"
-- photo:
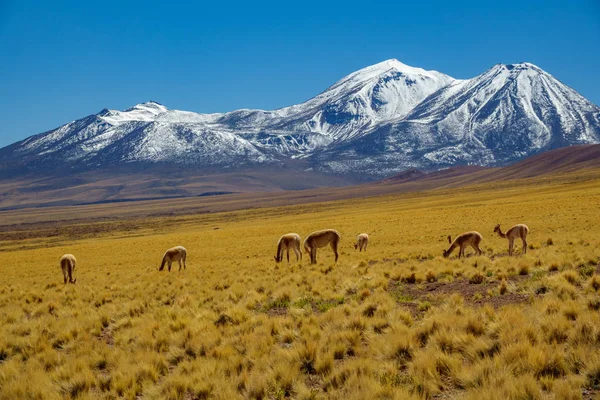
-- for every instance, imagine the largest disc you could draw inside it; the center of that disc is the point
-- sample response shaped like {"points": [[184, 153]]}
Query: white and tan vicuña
{"points": [[287, 241], [177, 253], [322, 238], [463, 240], [67, 265], [362, 242], [518, 231]]}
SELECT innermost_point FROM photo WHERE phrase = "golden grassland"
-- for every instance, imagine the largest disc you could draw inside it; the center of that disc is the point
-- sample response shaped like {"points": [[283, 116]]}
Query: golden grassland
{"points": [[398, 321]]}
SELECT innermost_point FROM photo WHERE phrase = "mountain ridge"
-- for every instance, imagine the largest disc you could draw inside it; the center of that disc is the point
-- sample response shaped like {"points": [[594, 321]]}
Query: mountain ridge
{"points": [[374, 122]]}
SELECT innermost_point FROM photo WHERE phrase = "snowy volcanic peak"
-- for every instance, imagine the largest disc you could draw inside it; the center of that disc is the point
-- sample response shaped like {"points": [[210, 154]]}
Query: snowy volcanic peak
{"points": [[497, 93], [390, 68], [384, 90], [350, 107], [140, 112]]}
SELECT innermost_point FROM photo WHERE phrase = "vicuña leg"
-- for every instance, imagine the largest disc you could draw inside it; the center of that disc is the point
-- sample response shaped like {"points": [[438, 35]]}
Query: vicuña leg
{"points": [[333, 246]]}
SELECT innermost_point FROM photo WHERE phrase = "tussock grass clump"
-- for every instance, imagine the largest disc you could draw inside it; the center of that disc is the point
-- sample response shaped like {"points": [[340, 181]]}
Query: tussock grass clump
{"points": [[541, 289], [306, 356], [477, 278], [594, 283], [586, 270], [430, 276], [410, 278], [594, 304], [223, 320], [523, 269], [475, 327], [548, 363], [365, 293], [571, 277], [593, 376], [369, 310], [503, 288]]}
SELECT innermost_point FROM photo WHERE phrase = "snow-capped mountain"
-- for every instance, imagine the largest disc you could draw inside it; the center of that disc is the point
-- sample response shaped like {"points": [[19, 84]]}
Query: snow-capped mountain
{"points": [[500, 116], [374, 122], [351, 106]]}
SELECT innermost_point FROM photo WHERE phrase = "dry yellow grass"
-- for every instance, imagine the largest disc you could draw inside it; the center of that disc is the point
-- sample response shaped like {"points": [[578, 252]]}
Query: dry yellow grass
{"points": [[398, 321]]}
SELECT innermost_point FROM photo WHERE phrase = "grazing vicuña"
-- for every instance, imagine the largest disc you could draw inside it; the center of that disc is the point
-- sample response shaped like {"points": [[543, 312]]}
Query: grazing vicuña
{"points": [[322, 238], [362, 241], [287, 241], [463, 240], [67, 265], [177, 253]]}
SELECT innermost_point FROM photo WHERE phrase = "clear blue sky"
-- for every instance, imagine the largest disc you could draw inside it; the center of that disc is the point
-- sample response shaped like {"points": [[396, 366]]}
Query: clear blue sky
{"points": [[61, 61]]}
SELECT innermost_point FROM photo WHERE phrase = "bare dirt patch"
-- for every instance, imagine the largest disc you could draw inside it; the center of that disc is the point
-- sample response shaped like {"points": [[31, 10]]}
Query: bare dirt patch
{"points": [[503, 300], [474, 294]]}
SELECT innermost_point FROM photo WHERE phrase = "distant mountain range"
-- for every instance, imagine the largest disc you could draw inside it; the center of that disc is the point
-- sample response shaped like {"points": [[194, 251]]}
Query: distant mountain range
{"points": [[375, 122]]}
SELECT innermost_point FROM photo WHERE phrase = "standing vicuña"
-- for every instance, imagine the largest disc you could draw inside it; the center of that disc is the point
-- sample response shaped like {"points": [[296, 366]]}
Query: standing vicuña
{"points": [[463, 240], [177, 253], [67, 264], [517, 231], [287, 241], [362, 241], [321, 239]]}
